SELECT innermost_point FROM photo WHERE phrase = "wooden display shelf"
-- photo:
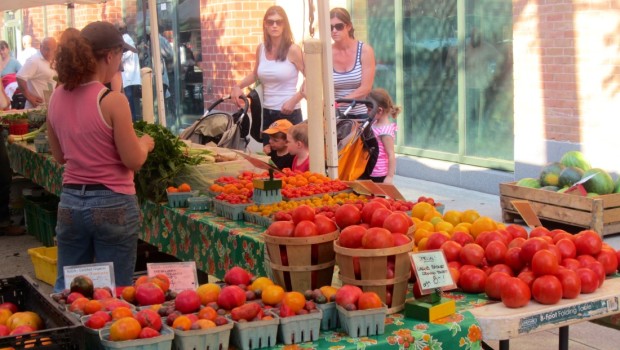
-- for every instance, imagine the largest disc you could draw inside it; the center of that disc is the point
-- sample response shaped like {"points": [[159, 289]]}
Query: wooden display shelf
{"points": [[601, 214]]}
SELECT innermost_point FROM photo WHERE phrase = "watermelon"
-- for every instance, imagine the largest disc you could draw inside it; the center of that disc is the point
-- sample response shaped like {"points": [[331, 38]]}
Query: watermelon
{"points": [[550, 188], [563, 189], [602, 183], [529, 182], [570, 175], [550, 175], [617, 186], [576, 159]]}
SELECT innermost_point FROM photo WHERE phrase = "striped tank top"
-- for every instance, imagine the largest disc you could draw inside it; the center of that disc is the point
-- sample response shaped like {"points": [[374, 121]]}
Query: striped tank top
{"points": [[346, 82]]}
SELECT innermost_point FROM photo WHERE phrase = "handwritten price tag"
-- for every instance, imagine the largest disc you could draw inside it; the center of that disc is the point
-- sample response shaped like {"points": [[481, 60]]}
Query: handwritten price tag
{"points": [[102, 274], [431, 270], [182, 275]]}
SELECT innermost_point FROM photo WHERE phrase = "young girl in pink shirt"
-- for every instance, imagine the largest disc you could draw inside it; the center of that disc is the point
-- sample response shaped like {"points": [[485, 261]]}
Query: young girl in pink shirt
{"points": [[384, 128]]}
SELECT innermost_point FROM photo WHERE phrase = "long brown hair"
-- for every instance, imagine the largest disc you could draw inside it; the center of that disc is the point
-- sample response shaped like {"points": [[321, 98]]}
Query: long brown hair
{"points": [[287, 34], [343, 15], [383, 100]]}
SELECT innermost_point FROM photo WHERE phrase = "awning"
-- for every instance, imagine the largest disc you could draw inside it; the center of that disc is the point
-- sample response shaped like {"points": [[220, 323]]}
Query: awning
{"points": [[7, 5]]}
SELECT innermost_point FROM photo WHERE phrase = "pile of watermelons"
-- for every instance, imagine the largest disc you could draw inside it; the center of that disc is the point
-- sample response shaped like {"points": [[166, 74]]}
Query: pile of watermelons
{"points": [[572, 167]]}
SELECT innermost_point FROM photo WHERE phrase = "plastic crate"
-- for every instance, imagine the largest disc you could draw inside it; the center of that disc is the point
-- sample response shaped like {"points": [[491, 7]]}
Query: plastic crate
{"points": [[255, 334], [230, 211], [162, 342], [330, 316], [300, 328], [61, 331], [40, 213], [212, 338], [200, 203], [257, 219], [179, 199], [362, 323], [45, 262]]}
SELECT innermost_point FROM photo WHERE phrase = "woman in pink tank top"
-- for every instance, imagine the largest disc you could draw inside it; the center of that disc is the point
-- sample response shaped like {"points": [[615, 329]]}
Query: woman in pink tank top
{"points": [[91, 133]]}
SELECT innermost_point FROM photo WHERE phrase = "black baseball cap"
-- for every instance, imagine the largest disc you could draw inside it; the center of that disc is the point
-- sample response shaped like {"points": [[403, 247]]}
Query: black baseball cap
{"points": [[104, 35]]}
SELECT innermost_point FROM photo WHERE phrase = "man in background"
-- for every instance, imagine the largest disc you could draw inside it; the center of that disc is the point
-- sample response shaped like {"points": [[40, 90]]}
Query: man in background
{"points": [[27, 49], [37, 77], [132, 82]]}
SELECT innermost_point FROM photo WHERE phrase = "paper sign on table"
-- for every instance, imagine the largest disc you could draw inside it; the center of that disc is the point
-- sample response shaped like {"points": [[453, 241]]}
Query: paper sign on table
{"points": [[431, 270], [182, 275], [358, 188], [372, 187], [102, 274], [527, 212], [391, 191], [257, 162]]}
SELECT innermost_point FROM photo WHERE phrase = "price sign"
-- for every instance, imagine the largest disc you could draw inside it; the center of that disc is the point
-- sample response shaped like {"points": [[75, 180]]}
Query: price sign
{"points": [[102, 274], [431, 270], [182, 275]]}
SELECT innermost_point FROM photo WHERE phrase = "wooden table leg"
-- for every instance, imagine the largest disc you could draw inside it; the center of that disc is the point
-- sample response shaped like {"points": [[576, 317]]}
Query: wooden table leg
{"points": [[563, 338]]}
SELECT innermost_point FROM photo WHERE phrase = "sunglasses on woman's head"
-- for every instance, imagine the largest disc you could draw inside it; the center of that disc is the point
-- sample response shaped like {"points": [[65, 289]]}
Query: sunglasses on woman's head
{"points": [[338, 27], [271, 22]]}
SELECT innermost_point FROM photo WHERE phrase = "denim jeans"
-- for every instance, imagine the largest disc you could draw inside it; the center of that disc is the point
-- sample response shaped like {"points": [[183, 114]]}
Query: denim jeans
{"points": [[134, 101], [271, 115], [97, 226]]}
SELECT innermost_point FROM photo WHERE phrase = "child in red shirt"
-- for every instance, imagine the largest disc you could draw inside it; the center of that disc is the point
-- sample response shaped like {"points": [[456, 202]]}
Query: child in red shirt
{"points": [[297, 143]]}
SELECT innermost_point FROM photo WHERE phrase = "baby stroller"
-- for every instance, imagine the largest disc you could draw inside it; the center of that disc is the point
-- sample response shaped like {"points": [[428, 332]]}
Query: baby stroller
{"points": [[357, 146], [223, 129]]}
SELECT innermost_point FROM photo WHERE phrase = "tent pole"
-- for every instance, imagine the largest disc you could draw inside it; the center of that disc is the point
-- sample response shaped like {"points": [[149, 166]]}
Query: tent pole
{"points": [[156, 56], [329, 112]]}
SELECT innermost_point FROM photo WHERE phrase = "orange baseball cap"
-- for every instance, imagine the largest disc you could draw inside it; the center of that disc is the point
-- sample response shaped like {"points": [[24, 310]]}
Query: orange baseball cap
{"points": [[280, 125]]}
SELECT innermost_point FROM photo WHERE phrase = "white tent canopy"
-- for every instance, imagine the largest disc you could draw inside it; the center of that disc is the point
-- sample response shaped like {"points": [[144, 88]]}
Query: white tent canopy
{"points": [[7, 5]]}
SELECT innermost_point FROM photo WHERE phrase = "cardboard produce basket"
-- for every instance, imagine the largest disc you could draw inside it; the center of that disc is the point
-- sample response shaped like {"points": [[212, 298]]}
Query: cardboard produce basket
{"points": [[60, 330], [601, 213]]}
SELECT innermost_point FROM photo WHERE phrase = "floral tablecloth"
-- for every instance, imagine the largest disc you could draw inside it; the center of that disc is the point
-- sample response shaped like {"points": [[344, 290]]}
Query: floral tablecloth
{"points": [[216, 243]]}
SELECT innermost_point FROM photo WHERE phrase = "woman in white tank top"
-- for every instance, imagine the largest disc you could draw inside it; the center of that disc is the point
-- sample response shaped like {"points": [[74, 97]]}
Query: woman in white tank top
{"points": [[354, 63], [278, 63]]}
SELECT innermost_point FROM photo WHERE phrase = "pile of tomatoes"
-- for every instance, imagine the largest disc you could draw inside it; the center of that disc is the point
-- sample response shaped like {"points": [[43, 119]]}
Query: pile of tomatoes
{"points": [[547, 266]]}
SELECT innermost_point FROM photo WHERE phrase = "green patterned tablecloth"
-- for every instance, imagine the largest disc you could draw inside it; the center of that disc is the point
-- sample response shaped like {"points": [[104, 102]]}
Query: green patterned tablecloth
{"points": [[216, 244]]}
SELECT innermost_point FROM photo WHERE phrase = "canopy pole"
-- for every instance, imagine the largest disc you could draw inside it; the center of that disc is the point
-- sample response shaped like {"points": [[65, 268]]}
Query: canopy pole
{"points": [[329, 112], [146, 75], [314, 96], [156, 56]]}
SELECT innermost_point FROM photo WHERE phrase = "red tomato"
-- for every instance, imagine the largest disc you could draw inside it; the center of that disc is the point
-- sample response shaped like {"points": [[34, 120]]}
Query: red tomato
{"points": [[547, 290], [305, 228], [472, 254], [302, 212], [530, 247], [515, 293], [516, 242], [451, 250], [589, 280], [563, 235], [369, 208], [462, 238], [502, 268], [324, 224], [455, 264], [598, 268], [567, 248], [588, 242], [351, 236], [436, 240], [397, 222], [517, 231], [539, 232], [571, 284], [379, 217], [494, 283], [527, 276], [472, 280], [609, 260], [544, 262], [586, 260], [281, 229], [347, 215], [571, 264], [495, 252], [512, 259]]}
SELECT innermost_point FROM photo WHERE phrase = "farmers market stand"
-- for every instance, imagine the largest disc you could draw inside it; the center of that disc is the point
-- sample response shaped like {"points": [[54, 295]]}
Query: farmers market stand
{"points": [[216, 244]]}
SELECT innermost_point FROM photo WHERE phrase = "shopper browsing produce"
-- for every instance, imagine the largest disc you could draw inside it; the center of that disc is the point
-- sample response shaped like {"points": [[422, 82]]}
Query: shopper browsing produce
{"points": [[91, 133]]}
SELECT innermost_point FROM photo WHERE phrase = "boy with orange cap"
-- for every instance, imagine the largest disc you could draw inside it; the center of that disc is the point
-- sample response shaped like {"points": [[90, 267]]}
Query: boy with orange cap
{"points": [[277, 148]]}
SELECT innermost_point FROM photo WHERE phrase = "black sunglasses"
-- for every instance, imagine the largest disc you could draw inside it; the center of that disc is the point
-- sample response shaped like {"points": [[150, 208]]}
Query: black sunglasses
{"points": [[271, 22], [338, 27]]}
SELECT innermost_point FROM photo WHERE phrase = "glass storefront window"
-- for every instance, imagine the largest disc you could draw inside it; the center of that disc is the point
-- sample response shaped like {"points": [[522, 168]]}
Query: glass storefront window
{"points": [[449, 64]]}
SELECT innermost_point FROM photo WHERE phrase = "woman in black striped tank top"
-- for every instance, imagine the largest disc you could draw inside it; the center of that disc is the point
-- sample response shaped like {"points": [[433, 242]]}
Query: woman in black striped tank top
{"points": [[354, 63]]}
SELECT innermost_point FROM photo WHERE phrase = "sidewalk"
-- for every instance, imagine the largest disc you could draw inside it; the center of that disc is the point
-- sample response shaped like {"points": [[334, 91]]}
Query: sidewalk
{"points": [[583, 336]]}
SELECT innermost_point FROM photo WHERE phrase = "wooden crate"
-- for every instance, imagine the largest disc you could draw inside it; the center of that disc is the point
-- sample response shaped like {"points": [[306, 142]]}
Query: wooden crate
{"points": [[601, 214]]}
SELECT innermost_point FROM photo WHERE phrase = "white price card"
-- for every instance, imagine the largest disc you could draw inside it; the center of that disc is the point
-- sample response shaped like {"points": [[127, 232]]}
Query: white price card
{"points": [[182, 275], [102, 274], [431, 270]]}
